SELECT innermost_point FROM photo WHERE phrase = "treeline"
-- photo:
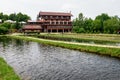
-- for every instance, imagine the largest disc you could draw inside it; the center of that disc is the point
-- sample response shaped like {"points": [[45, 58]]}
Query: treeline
{"points": [[101, 24], [14, 17], [9, 27]]}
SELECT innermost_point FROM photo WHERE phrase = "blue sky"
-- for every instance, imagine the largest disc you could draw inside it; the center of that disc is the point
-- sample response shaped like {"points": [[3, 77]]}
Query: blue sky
{"points": [[90, 8]]}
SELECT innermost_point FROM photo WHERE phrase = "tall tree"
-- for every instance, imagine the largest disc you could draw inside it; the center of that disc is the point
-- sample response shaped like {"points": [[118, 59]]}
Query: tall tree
{"points": [[96, 26], [22, 17], [78, 24], [88, 25], [15, 17], [12, 16], [1, 15], [112, 25], [103, 17], [5, 17], [81, 20]]}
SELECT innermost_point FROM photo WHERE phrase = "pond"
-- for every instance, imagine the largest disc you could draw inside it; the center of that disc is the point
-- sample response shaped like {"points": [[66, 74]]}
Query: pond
{"points": [[35, 61], [79, 40]]}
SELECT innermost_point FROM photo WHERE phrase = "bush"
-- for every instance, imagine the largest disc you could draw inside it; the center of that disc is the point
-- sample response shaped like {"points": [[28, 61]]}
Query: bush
{"points": [[77, 29], [3, 30], [81, 30]]}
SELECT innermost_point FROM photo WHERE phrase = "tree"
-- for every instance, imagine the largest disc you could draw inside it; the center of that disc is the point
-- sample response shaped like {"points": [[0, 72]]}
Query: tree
{"points": [[6, 25], [102, 24], [17, 25], [1, 15], [15, 17], [26, 18], [103, 17], [112, 25], [5, 17], [88, 25], [78, 24], [96, 26], [81, 20], [3, 30], [12, 16], [22, 17], [78, 29]]}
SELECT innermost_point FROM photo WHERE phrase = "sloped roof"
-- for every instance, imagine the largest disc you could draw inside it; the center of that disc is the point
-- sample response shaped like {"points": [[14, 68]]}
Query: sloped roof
{"points": [[32, 27], [55, 13]]}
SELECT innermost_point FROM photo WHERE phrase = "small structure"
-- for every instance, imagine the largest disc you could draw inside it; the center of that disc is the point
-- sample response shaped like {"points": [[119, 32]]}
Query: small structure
{"points": [[0, 21], [50, 22], [32, 28], [22, 22], [10, 21], [118, 31]]}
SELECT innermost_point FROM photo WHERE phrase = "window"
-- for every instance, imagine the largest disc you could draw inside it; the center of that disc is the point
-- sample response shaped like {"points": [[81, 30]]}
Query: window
{"points": [[61, 22]]}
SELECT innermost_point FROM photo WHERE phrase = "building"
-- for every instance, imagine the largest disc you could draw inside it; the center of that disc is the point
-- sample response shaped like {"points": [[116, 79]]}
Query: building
{"points": [[55, 21], [10, 21], [118, 31], [50, 22], [0, 21]]}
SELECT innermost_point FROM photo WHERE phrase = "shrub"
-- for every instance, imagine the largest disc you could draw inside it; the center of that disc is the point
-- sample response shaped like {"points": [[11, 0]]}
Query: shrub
{"points": [[3, 30]]}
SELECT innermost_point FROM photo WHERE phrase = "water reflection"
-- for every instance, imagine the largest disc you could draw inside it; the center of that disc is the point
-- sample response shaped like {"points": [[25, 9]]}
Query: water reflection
{"points": [[33, 61], [4, 41], [90, 41]]}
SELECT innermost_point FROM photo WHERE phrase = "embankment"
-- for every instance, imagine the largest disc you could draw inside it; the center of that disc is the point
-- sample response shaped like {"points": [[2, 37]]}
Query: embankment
{"points": [[97, 49], [7, 72]]}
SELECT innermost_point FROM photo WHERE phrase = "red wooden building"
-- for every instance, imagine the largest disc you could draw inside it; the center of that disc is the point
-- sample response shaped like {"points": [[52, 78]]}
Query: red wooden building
{"points": [[50, 22], [118, 31]]}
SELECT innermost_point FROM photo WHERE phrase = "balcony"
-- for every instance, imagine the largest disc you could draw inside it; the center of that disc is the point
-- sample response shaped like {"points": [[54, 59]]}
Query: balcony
{"points": [[61, 23], [56, 17], [59, 27]]}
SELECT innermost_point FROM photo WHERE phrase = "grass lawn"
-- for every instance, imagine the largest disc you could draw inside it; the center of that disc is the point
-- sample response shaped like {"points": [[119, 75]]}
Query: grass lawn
{"points": [[114, 52], [103, 37], [7, 72]]}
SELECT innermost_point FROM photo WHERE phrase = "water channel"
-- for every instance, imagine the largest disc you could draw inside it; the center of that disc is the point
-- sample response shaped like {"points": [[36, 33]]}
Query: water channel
{"points": [[34, 61]]}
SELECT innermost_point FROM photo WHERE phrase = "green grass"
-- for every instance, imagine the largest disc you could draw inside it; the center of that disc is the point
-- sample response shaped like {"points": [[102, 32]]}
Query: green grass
{"points": [[7, 72], [114, 52], [96, 38]]}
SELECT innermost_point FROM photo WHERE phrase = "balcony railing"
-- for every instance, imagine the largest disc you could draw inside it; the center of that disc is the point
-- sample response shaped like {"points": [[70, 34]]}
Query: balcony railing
{"points": [[60, 27], [56, 17], [57, 23]]}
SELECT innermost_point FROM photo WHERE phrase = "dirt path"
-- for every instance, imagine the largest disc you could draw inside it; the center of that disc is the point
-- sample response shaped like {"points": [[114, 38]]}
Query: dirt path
{"points": [[86, 44]]}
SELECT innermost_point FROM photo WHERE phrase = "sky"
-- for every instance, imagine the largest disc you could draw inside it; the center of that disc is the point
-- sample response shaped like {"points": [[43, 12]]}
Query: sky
{"points": [[89, 8]]}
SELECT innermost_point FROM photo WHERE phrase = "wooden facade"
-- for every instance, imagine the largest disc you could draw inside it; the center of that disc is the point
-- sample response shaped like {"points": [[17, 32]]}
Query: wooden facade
{"points": [[118, 31], [51, 22], [33, 28]]}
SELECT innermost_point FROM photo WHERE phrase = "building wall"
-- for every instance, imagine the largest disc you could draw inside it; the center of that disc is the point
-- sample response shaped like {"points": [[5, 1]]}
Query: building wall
{"points": [[56, 23], [53, 23]]}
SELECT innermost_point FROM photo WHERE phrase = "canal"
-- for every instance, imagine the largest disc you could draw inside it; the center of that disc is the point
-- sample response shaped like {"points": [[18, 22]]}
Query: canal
{"points": [[34, 61]]}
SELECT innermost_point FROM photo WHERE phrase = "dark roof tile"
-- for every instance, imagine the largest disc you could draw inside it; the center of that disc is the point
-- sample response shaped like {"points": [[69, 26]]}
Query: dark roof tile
{"points": [[55, 13], [32, 27]]}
